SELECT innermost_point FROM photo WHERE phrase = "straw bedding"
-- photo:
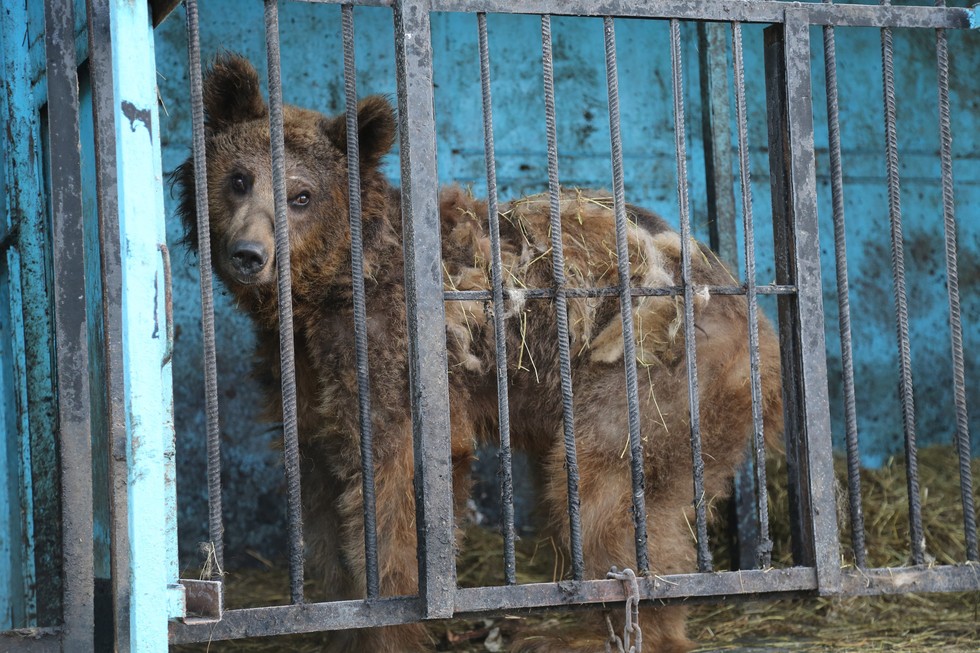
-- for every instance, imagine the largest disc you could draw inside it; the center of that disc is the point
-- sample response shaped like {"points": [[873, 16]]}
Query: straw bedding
{"points": [[933, 622]]}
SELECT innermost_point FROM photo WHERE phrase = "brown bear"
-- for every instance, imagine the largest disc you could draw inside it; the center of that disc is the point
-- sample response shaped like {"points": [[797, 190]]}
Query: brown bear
{"points": [[240, 196]]}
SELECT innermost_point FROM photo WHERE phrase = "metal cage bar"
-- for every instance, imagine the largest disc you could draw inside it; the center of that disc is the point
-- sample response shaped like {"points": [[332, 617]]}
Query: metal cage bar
{"points": [[626, 304], [690, 340], [101, 73], [843, 301], [286, 340], [71, 338], [213, 434], [905, 388], [798, 290], [953, 295], [426, 312], [499, 312], [763, 552], [360, 310], [561, 305], [722, 237], [793, 179], [756, 11]]}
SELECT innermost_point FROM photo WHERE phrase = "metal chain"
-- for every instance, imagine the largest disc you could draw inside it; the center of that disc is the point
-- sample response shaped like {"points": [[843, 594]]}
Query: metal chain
{"points": [[631, 629]]}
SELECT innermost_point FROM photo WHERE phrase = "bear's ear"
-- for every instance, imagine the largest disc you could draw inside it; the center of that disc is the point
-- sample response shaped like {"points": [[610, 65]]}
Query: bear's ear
{"points": [[231, 93], [375, 129]]}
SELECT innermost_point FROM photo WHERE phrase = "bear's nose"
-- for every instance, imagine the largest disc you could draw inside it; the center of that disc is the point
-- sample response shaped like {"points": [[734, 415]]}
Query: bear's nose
{"points": [[249, 257]]}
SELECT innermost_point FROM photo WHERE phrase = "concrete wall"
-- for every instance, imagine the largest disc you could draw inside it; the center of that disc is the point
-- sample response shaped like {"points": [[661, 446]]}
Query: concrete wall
{"points": [[312, 77]]}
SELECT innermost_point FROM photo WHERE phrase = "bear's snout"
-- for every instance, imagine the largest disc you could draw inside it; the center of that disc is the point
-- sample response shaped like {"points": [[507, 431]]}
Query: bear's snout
{"points": [[249, 258]]}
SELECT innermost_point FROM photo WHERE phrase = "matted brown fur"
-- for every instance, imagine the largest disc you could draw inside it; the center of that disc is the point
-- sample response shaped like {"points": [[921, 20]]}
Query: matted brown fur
{"points": [[241, 209]]}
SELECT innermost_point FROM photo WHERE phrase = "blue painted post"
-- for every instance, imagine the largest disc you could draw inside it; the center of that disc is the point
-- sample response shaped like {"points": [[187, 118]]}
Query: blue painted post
{"points": [[21, 322], [147, 332], [15, 575]]}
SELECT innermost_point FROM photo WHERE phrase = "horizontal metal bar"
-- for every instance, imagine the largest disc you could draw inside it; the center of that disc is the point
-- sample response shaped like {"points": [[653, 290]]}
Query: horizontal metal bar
{"points": [[300, 618], [901, 580], [312, 617], [613, 291], [355, 3], [763, 11], [278, 620], [655, 588]]}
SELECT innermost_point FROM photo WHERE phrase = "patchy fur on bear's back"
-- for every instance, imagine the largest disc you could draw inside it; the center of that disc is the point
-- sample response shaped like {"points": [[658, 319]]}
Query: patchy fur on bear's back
{"points": [[589, 248]]}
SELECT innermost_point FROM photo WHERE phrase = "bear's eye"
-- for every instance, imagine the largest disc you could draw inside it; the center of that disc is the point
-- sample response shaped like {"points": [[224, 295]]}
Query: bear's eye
{"points": [[301, 199], [239, 183]]}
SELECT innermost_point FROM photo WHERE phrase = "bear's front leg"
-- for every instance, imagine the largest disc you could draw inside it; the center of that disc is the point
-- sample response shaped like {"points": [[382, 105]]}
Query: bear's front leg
{"points": [[396, 541]]}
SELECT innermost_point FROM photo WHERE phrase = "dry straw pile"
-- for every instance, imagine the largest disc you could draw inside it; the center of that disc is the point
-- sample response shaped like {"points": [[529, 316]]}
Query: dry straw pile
{"points": [[907, 623]]}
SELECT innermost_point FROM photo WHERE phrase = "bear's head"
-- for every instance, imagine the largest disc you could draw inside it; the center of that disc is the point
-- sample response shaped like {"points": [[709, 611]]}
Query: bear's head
{"points": [[240, 197]]}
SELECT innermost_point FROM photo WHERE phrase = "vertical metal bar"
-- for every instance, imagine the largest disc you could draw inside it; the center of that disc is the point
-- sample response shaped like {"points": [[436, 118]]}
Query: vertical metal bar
{"points": [[626, 302], [215, 526], [499, 311], [793, 178], [719, 187], [101, 72], [716, 133], [843, 301], [953, 294], [148, 402], [426, 312], [561, 305], [286, 341], [360, 311], [905, 388], [71, 336], [763, 552], [690, 341]]}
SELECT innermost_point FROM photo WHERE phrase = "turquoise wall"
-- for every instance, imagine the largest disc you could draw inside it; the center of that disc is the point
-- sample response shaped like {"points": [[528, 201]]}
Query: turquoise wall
{"points": [[312, 77]]}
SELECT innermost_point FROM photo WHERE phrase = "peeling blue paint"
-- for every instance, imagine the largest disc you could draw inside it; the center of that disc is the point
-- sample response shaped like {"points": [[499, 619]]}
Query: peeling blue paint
{"points": [[142, 115], [22, 211]]}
